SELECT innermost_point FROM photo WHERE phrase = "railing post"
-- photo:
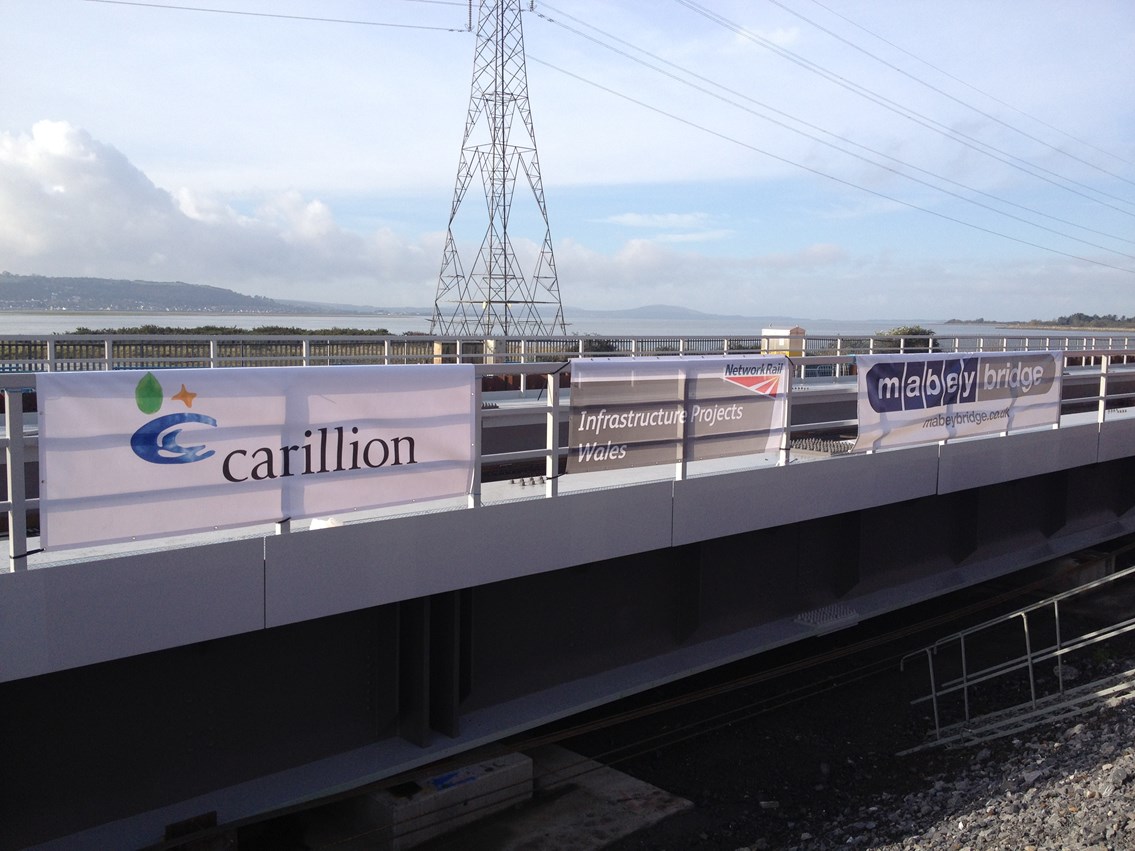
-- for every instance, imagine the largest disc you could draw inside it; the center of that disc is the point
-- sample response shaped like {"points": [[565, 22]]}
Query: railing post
{"points": [[108, 354], [478, 422], [523, 375], [933, 693], [1029, 657], [306, 351], [214, 353], [552, 462], [1059, 647], [1105, 363], [17, 500], [965, 675]]}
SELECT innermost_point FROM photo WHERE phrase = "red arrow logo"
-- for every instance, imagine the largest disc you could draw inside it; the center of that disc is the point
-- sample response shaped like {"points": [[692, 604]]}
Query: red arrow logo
{"points": [[766, 385]]}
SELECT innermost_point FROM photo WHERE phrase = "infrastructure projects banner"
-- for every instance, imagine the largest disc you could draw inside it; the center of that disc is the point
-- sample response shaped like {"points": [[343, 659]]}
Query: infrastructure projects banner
{"points": [[635, 412], [926, 398], [137, 454]]}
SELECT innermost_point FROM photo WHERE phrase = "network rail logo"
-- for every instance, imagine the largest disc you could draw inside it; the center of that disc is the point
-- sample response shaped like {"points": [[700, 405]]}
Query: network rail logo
{"points": [[158, 441], [762, 378], [911, 385]]}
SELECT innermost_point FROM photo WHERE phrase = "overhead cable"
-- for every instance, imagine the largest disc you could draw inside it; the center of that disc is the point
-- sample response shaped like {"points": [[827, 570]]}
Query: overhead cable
{"points": [[244, 13], [946, 94], [910, 114], [974, 88], [825, 174], [843, 139]]}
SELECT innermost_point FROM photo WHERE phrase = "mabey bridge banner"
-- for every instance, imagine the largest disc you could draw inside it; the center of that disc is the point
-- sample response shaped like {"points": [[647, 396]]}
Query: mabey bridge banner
{"points": [[634, 412], [136, 454], [926, 398]]}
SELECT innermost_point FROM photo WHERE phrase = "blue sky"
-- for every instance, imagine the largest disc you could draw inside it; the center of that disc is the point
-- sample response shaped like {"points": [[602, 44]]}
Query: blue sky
{"points": [[310, 159]]}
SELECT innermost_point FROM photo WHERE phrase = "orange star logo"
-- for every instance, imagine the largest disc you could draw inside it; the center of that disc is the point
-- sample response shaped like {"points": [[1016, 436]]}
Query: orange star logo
{"points": [[185, 396]]}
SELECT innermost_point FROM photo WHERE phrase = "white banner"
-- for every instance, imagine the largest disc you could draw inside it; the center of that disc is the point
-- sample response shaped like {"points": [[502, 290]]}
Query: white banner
{"points": [[639, 412], [135, 454], [911, 399]]}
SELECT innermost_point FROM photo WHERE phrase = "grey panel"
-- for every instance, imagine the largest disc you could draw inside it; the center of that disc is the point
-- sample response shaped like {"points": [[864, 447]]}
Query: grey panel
{"points": [[79, 614], [1117, 439], [327, 571], [975, 463], [715, 506]]}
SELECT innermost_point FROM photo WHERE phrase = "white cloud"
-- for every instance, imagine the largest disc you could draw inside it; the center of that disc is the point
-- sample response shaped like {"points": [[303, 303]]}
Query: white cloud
{"points": [[659, 220], [71, 205]]}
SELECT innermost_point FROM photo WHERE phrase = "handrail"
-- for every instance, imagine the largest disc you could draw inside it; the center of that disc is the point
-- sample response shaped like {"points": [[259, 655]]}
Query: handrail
{"points": [[48, 353], [1029, 660], [1098, 373]]}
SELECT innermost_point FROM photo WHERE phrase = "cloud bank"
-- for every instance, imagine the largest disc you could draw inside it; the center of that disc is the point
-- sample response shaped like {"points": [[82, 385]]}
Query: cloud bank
{"points": [[72, 205]]}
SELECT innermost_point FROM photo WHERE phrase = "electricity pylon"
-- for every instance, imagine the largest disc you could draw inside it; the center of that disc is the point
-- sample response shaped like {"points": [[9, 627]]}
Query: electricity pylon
{"points": [[495, 297]]}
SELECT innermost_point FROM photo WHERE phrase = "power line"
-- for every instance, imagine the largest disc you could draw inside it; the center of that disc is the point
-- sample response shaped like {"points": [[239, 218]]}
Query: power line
{"points": [[840, 138], [309, 18], [972, 87], [946, 94], [910, 114], [825, 174]]}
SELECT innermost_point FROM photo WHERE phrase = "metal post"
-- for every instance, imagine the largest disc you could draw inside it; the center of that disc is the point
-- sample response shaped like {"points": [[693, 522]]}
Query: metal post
{"points": [[1059, 647], [933, 692], [1105, 363], [786, 432], [965, 674], [552, 462], [680, 468], [17, 501], [478, 421], [1029, 656]]}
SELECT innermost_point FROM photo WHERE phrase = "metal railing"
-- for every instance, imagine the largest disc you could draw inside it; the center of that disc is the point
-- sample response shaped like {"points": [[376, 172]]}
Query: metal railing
{"points": [[138, 351], [1103, 383], [1043, 639]]}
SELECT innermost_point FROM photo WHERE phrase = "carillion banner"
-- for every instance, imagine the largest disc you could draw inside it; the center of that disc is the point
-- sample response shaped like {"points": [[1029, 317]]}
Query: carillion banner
{"points": [[136, 454], [926, 398], [636, 412]]}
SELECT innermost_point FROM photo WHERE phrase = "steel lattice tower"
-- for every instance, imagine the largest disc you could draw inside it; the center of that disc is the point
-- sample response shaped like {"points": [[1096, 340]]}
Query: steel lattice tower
{"points": [[496, 297]]}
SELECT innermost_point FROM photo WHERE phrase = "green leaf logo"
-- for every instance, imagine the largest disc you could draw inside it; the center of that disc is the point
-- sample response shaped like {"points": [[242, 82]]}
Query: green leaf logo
{"points": [[148, 394]]}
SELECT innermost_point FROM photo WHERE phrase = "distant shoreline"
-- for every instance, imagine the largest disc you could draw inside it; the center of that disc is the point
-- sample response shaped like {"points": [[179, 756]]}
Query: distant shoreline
{"points": [[1108, 329]]}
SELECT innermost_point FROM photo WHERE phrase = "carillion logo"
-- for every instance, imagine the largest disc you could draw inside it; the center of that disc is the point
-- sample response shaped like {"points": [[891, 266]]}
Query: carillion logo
{"points": [[327, 449], [906, 385], [159, 440]]}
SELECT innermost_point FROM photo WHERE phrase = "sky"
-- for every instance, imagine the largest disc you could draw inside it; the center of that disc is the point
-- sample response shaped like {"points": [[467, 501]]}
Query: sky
{"points": [[859, 159]]}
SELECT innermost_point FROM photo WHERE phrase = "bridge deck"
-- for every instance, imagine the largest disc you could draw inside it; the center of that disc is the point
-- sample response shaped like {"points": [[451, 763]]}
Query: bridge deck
{"points": [[299, 664]]}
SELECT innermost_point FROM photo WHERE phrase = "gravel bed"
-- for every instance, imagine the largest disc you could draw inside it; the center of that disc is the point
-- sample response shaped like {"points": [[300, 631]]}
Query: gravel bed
{"points": [[1062, 787], [825, 774]]}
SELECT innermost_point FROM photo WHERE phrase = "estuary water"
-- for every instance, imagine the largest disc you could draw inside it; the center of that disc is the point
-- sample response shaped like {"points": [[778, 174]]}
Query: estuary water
{"points": [[66, 322]]}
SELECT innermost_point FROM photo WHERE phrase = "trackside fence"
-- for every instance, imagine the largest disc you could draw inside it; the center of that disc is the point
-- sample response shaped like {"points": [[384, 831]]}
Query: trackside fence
{"points": [[1029, 666]]}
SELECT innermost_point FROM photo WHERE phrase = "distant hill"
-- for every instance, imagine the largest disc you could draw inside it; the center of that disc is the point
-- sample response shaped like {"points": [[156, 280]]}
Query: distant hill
{"points": [[649, 311], [88, 295]]}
